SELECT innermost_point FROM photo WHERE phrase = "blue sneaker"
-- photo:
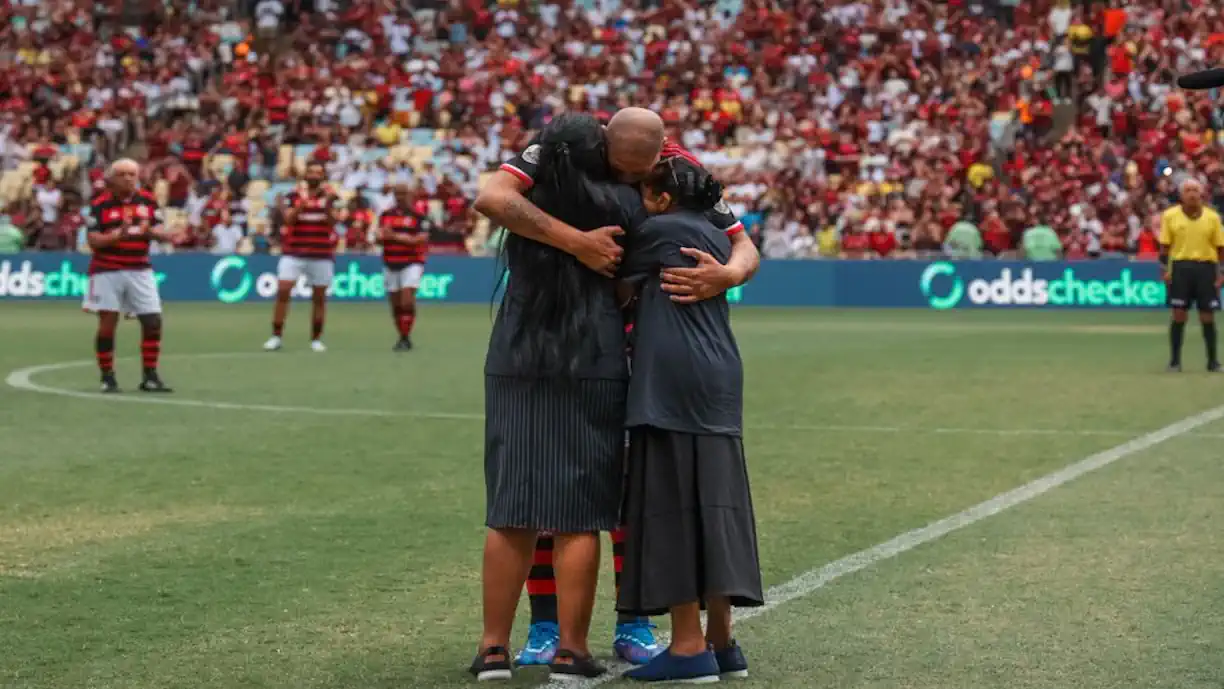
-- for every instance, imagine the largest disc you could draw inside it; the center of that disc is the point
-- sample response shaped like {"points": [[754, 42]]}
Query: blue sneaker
{"points": [[665, 667], [635, 642], [731, 661], [541, 646]]}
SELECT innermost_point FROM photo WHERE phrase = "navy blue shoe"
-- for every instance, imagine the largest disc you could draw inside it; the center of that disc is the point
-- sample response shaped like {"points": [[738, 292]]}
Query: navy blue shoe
{"points": [[731, 661], [665, 667]]}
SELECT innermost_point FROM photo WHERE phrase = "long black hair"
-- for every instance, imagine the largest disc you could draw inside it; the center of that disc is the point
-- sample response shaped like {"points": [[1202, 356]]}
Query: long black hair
{"points": [[691, 186], [559, 297]]}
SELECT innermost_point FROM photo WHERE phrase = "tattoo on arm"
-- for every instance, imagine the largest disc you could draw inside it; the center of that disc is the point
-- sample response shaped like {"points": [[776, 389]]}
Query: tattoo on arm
{"points": [[522, 217]]}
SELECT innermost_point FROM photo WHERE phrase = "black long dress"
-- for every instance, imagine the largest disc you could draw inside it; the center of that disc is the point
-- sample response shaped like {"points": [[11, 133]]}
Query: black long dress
{"points": [[554, 446], [689, 520]]}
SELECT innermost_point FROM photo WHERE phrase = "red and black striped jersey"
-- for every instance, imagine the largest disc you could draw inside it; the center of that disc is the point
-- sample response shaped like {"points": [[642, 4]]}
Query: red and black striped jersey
{"points": [[132, 214], [213, 211], [525, 164], [313, 235], [409, 223]]}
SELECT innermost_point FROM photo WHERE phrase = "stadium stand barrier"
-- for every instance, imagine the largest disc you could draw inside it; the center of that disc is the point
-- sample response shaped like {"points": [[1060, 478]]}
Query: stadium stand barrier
{"points": [[940, 285]]}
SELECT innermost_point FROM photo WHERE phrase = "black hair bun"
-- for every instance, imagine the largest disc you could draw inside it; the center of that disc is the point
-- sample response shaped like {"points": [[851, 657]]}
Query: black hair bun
{"points": [[709, 193]]}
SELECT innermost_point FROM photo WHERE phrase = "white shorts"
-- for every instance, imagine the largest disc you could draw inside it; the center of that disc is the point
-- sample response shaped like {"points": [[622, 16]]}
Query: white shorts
{"points": [[127, 291], [409, 277], [318, 271]]}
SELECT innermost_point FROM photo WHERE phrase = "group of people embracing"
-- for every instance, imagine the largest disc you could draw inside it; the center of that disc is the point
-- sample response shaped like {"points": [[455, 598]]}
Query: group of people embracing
{"points": [[613, 402]]}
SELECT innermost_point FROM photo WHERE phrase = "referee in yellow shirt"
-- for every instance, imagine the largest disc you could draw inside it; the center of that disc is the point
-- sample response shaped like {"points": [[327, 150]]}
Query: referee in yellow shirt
{"points": [[1191, 246]]}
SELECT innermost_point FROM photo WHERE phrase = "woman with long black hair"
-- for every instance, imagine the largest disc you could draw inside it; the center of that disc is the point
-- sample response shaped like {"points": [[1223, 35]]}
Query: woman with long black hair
{"points": [[556, 382]]}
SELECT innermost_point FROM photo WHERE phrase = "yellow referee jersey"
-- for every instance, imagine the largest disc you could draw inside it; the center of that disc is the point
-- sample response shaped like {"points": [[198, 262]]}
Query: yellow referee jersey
{"points": [[1192, 239]]}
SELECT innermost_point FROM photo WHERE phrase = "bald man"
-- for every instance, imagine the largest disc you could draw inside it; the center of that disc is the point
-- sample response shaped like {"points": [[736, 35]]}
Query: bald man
{"points": [[1191, 249], [123, 221], [636, 142]]}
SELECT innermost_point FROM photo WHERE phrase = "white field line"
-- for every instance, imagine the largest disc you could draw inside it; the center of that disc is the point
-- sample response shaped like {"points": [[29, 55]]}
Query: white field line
{"points": [[815, 579], [23, 379]]}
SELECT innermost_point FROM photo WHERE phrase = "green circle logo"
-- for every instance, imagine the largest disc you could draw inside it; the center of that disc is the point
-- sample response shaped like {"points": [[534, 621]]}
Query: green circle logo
{"points": [[953, 296], [231, 295]]}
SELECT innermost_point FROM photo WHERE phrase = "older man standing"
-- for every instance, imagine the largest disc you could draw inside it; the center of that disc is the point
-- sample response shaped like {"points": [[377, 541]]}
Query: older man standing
{"points": [[123, 221], [1191, 247]]}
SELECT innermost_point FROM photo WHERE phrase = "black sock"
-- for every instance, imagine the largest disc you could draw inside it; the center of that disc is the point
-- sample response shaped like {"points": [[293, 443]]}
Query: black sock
{"points": [[1209, 337], [1176, 331], [104, 350]]}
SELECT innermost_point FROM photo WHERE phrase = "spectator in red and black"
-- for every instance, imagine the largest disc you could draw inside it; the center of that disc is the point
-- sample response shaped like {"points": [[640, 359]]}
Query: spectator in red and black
{"points": [[357, 225], [454, 207], [192, 151], [1147, 244], [996, 237], [216, 209], [854, 242], [62, 234], [179, 183], [881, 237]]}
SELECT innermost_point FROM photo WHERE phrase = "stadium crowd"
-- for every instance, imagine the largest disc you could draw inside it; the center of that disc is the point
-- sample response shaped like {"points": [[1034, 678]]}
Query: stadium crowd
{"points": [[851, 128]]}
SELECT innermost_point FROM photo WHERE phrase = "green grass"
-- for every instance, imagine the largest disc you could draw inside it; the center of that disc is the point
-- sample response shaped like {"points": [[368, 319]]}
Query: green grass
{"points": [[157, 546]]}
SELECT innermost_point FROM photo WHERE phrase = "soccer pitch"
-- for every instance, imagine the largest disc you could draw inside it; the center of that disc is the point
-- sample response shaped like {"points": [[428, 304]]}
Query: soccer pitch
{"points": [[315, 520]]}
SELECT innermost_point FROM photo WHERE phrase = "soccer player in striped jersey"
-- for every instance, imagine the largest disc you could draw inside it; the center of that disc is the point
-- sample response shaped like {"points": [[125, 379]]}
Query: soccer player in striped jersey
{"points": [[404, 234], [635, 143], [308, 249], [123, 220]]}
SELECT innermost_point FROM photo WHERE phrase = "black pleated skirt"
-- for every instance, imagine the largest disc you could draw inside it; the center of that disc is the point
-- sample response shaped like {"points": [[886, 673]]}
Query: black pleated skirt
{"points": [[690, 530], [554, 453]]}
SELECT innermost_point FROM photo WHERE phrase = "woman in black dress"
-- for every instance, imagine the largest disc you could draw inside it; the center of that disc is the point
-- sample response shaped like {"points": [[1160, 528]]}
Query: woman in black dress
{"points": [[690, 528], [556, 382]]}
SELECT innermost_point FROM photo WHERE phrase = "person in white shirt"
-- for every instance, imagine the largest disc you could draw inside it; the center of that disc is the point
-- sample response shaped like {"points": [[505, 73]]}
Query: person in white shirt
{"points": [[268, 15], [49, 198], [1060, 19], [1064, 69], [226, 237]]}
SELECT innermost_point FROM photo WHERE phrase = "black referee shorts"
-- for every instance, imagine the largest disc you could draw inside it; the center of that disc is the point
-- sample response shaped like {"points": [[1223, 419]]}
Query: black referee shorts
{"points": [[1194, 285]]}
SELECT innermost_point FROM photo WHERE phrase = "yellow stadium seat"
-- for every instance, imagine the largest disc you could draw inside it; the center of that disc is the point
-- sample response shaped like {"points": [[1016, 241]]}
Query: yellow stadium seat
{"points": [[421, 154], [399, 154], [10, 186], [257, 189], [284, 160], [161, 192], [176, 219]]}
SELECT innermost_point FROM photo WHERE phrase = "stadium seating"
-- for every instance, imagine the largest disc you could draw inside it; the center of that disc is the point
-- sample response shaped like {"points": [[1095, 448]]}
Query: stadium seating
{"points": [[839, 128]]}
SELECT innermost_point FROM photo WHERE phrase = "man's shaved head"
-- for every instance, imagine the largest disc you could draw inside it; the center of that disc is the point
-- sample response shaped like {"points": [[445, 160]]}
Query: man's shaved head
{"points": [[635, 140]]}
